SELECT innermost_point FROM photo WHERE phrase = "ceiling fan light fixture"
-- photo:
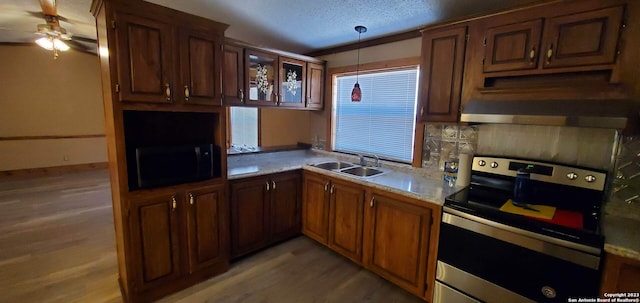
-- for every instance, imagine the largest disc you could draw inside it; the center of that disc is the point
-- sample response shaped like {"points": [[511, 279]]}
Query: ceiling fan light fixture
{"points": [[45, 42], [60, 45], [356, 93]]}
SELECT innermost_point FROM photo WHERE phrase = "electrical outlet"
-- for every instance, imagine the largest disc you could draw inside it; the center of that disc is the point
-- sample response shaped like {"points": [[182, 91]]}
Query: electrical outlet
{"points": [[65, 158]]}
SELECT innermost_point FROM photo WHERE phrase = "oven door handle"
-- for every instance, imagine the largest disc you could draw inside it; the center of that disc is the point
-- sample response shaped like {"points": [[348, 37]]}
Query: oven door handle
{"points": [[576, 253]]}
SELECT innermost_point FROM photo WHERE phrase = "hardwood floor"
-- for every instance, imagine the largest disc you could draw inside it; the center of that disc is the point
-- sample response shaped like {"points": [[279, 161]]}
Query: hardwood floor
{"points": [[57, 240], [57, 245]]}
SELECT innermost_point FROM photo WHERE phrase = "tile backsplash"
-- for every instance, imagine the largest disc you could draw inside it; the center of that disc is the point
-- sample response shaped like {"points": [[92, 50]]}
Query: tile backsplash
{"points": [[444, 142]]}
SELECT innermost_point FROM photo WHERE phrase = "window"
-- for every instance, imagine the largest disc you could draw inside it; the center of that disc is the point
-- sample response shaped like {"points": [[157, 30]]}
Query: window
{"points": [[244, 126], [383, 123]]}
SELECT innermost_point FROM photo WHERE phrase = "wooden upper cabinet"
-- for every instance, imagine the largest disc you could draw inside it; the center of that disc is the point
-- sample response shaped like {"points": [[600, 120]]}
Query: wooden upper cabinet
{"points": [[405, 228], [261, 74], [286, 194], [441, 77], [293, 82], [315, 86], [153, 228], [160, 62], [249, 213], [145, 54], [233, 71], [200, 60], [576, 40], [315, 207], [588, 38], [207, 227], [346, 213], [513, 46]]}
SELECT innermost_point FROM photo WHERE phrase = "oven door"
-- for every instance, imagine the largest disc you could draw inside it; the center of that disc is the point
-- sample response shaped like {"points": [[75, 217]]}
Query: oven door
{"points": [[492, 262]]}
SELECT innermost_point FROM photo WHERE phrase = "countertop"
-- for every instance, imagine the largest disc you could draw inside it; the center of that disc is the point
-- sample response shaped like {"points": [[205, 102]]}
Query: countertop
{"points": [[400, 179], [622, 236], [621, 227]]}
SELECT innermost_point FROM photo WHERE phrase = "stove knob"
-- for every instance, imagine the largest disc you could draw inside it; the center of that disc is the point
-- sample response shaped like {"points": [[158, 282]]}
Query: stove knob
{"points": [[572, 176], [494, 164], [590, 178], [482, 163]]}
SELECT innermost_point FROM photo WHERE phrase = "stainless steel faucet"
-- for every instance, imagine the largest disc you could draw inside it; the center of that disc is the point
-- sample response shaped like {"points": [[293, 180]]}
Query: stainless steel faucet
{"points": [[377, 164], [364, 163]]}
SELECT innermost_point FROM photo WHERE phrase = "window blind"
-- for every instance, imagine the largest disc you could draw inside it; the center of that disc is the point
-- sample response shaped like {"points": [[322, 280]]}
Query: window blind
{"points": [[383, 123], [244, 126]]}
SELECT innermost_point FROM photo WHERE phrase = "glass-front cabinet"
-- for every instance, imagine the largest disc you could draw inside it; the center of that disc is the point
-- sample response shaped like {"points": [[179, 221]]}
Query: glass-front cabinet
{"points": [[292, 82], [261, 72]]}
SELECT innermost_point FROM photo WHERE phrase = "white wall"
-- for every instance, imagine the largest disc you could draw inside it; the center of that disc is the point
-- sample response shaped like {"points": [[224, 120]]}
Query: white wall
{"points": [[40, 96]]}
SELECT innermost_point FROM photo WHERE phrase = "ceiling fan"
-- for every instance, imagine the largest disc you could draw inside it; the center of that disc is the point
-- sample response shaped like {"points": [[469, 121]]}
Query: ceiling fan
{"points": [[55, 37]]}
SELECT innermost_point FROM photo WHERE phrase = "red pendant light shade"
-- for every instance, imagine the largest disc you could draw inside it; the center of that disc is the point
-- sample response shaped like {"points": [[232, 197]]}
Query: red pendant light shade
{"points": [[356, 93]]}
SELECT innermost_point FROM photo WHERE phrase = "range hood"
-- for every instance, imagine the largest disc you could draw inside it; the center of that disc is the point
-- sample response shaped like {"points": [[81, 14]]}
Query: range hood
{"points": [[615, 114]]}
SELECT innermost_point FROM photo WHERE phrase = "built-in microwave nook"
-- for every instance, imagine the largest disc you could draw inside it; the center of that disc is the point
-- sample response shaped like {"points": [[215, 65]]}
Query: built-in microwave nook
{"points": [[177, 147]]}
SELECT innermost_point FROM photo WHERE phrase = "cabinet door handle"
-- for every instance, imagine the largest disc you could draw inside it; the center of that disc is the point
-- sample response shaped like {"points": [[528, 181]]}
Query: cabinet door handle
{"points": [[191, 199], [174, 203], [422, 111], [273, 185], [332, 187], [532, 55], [549, 53], [241, 95], [267, 185], [186, 93], [373, 200], [167, 91], [326, 186]]}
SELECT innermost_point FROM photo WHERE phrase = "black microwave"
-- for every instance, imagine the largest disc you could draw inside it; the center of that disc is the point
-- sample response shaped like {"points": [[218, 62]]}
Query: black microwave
{"points": [[169, 165]]}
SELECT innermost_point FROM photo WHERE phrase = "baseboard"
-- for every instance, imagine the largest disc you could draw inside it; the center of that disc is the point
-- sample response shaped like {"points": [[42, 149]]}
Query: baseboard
{"points": [[51, 171]]}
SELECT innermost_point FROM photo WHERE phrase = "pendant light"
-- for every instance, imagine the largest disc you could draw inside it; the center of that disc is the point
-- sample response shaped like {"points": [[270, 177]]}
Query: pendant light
{"points": [[356, 93]]}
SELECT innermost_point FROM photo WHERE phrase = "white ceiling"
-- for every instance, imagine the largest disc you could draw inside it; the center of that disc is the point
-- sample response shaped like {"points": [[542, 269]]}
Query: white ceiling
{"points": [[298, 26]]}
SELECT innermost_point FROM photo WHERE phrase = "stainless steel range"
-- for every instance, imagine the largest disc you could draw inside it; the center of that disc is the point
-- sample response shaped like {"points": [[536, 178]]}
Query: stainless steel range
{"points": [[546, 248]]}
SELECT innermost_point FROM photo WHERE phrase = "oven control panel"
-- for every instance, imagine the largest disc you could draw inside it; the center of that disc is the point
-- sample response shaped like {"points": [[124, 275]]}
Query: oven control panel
{"points": [[548, 172]]}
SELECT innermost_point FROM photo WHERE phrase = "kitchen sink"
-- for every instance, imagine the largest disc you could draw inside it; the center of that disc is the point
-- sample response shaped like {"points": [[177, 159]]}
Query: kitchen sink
{"points": [[333, 165], [359, 171]]}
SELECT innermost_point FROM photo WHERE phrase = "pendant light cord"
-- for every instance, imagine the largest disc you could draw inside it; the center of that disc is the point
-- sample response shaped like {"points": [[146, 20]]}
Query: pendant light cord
{"points": [[358, 65]]}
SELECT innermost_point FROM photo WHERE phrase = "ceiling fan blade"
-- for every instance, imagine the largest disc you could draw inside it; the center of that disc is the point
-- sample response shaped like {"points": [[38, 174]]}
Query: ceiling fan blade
{"points": [[82, 47], [83, 39], [41, 15], [49, 7]]}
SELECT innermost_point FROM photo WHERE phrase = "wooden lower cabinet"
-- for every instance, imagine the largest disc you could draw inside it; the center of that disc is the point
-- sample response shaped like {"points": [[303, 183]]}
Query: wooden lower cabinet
{"points": [[397, 240], [176, 239], [620, 275], [264, 210], [154, 236], [332, 214], [249, 206], [285, 216], [389, 234], [206, 233], [315, 207], [346, 203]]}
